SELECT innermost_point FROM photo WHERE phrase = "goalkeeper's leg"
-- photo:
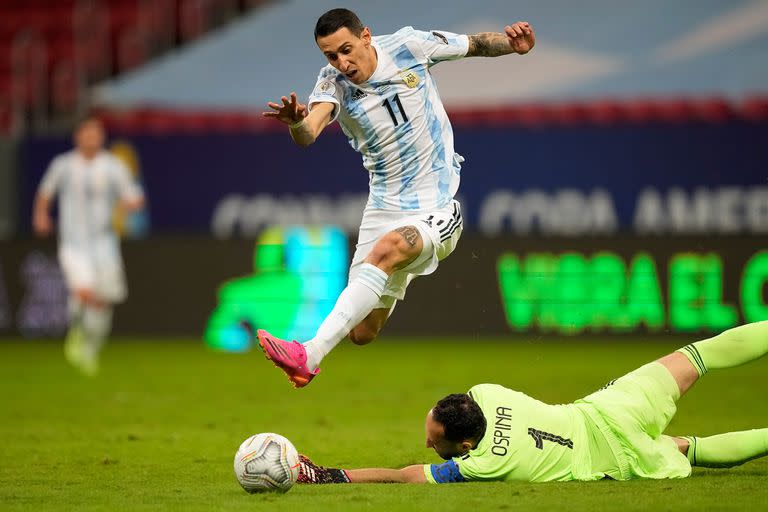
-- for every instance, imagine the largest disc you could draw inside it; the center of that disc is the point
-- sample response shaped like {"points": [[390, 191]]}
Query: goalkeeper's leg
{"points": [[725, 450], [728, 349], [733, 347]]}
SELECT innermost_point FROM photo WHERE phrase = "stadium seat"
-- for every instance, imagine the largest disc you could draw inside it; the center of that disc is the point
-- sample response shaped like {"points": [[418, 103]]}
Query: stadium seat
{"points": [[87, 40], [229, 122], [6, 87], [714, 110], [160, 121], [533, 114], [640, 111], [605, 112], [131, 49], [193, 19], [755, 108], [64, 88], [569, 113], [130, 121], [676, 110], [460, 117]]}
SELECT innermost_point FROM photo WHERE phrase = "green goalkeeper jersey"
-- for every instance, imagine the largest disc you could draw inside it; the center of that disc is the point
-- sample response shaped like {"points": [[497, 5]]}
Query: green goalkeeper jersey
{"points": [[525, 439]]}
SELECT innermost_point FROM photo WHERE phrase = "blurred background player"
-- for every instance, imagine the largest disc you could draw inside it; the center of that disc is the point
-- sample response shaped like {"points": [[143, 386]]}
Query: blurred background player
{"points": [[496, 433], [89, 183], [381, 91]]}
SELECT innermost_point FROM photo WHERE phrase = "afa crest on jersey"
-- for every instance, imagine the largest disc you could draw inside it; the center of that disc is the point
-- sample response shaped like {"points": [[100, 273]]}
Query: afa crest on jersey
{"points": [[410, 78]]}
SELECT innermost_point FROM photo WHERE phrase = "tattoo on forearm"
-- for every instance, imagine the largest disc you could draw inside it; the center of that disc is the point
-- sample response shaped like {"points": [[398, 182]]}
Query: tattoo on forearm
{"points": [[410, 233], [488, 44]]}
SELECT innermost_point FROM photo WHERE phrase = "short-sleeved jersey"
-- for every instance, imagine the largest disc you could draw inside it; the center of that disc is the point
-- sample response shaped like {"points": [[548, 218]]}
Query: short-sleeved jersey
{"points": [[397, 121], [525, 439], [87, 192]]}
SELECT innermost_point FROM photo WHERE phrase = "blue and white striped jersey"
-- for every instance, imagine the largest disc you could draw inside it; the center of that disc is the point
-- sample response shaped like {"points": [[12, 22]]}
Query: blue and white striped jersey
{"points": [[87, 193], [397, 121]]}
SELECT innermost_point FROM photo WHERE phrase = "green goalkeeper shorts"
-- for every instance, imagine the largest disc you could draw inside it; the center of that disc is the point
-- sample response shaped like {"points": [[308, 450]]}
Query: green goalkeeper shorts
{"points": [[632, 413]]}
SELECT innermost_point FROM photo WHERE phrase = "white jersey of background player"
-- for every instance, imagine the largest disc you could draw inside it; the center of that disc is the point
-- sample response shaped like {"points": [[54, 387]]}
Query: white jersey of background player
{"points": [[382, 93], [88, 182]]}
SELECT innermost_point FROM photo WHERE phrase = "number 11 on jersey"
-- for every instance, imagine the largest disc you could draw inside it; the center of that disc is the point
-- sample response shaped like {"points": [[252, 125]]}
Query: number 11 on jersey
{"points": [[388, 104]]}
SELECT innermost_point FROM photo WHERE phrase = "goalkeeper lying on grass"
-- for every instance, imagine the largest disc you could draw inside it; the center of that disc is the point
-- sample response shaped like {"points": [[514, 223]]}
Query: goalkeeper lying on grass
{"points": [[495, 433]]}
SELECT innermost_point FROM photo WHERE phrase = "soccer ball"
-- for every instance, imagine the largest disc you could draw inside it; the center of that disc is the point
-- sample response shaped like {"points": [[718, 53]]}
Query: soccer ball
{"points": [[266, 462]]}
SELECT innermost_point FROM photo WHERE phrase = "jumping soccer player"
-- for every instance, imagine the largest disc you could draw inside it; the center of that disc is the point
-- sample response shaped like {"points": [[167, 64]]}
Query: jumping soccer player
{"points": [[89, 183], [495, 433], [382, 93]]}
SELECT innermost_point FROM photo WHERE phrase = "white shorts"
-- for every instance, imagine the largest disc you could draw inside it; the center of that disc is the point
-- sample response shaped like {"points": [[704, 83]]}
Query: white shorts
{"points": [[440, 230], [102, 275]]}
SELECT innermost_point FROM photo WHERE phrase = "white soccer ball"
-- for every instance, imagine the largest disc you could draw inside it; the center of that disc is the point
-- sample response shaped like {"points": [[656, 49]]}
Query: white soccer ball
{"points": [[266, 462]]}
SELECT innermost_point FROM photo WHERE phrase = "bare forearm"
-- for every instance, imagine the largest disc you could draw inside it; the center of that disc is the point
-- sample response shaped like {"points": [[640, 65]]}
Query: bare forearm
{"points": [[410, 474], [489, 44], [372, 475], [309, 129], [42, 205], [41, 220], [302, 134]]}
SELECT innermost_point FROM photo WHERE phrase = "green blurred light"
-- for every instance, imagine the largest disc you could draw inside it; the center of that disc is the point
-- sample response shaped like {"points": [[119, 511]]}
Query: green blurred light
{"points": [[298, 272], [695, 293], [753, 280], [572, 292]]}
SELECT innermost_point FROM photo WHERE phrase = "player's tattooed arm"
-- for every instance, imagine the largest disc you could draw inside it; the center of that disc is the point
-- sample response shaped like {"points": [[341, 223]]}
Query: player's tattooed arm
{"points": [[488, 44], [517, 38], [410, 234]]}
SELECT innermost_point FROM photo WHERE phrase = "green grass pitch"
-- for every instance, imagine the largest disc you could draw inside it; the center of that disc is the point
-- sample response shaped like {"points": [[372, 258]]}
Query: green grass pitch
{"points": [[158, 428]]}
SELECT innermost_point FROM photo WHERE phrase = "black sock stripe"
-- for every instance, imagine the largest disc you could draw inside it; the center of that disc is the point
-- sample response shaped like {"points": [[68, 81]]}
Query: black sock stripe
{"points": [[695, 358], [694, 450], [699, 362], [691, 356], [698, 357]]}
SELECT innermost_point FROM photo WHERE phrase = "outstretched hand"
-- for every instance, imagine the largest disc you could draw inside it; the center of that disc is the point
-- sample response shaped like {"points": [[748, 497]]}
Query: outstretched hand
{"points": [[520, 36], [311, 473], [289, 112]]}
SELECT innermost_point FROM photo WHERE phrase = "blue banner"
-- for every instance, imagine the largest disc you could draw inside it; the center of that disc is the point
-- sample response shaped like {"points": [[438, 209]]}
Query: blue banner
{"points": [[554, 180]]}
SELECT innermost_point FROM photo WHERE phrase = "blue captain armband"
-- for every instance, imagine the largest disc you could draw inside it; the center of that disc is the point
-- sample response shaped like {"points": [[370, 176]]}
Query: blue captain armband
{"points": [[445, 473]]}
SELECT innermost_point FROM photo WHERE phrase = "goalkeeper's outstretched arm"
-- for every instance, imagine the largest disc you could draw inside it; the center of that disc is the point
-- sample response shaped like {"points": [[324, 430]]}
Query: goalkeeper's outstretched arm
{"points": [[408, 475], [311, 473]]}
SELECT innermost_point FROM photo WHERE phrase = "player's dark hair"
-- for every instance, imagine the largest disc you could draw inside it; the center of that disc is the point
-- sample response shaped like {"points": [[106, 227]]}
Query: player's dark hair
{"points": [[461, 418], [84, 119], [336, 19]]}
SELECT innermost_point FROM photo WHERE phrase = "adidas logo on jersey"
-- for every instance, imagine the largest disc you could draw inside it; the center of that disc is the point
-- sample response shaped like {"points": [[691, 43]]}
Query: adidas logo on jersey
{"points": [[358, 95]]}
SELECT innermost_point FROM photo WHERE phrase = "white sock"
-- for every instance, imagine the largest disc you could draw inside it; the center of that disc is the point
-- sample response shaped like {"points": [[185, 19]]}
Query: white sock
{"points": [[355, 303], [97, 322], [75, 310]]}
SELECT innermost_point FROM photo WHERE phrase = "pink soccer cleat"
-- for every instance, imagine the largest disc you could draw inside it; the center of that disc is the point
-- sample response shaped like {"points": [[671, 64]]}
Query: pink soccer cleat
{"points": [[291, 357]]}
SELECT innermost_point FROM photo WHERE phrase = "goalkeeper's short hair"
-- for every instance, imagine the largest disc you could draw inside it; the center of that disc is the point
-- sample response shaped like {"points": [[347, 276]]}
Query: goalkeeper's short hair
{"points": [[461, 417]]}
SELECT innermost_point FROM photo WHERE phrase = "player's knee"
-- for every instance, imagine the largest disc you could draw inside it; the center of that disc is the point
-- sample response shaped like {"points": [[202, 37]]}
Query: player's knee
{"points": [[363, 334], [395, 249], [682, 444]]}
